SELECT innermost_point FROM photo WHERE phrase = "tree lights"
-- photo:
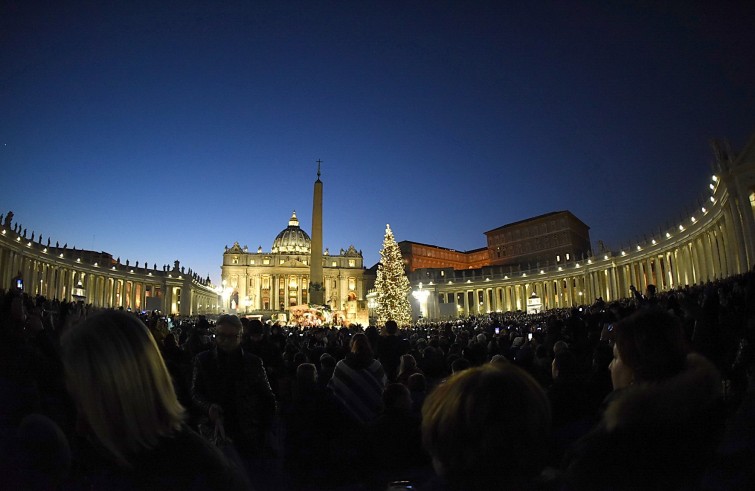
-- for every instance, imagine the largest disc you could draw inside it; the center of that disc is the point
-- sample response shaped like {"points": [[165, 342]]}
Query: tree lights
{"points": [[392, 285]]}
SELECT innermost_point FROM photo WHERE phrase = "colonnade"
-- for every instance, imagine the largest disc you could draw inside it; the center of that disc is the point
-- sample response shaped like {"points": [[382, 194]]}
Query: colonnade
{"points": [[62, 274], [714, 242]]}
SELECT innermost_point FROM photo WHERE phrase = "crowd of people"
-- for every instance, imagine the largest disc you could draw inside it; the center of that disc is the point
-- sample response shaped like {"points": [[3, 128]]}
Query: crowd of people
{"points": [[649, 392]]}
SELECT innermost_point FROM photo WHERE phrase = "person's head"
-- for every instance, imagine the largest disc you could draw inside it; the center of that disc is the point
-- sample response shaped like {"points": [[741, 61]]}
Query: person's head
{"points": [[396, 397], [117, 377], [306, 374], [327, 362], [407, 363], [648, 346], [391, 327], [560, 346], [499, 360], [170, 342], [459, 365], [564, 365], [299, 358], [416, 382], [255, 329], [487, 427], [360, 345], [228, 333]]}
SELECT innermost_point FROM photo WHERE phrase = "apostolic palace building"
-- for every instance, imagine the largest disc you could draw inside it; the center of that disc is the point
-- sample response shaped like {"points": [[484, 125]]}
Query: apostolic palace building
{"points": [[535, 264]]}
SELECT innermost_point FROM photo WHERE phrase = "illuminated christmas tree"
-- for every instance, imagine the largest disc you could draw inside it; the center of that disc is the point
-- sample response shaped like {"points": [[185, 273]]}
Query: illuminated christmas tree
{"points": [[392, 284]]}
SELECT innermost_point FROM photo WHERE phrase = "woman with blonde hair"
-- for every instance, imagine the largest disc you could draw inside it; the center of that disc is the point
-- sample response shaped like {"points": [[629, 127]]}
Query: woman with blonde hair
{"points": [[128, 411]]}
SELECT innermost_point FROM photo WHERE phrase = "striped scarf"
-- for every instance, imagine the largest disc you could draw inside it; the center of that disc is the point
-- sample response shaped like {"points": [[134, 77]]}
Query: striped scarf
{"points": [[359, 390]]}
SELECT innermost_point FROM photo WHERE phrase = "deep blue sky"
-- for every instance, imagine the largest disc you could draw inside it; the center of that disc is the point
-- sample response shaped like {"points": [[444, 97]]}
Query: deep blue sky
{"points": [[167, 132]]}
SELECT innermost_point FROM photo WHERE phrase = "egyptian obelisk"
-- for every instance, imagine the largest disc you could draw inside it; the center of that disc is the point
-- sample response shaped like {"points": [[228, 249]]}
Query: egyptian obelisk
{"points": [[316, 288]]}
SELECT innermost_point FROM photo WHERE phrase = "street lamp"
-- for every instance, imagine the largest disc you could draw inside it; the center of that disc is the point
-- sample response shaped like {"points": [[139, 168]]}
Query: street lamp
{"points": [[421, 297]]}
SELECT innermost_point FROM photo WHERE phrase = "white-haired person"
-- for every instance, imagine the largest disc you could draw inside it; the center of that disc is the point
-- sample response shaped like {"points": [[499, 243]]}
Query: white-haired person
{"points": [[129, 414]]}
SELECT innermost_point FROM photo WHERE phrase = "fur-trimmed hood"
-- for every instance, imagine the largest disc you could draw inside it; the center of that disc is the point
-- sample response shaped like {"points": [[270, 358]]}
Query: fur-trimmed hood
{"points": [[672, 402], [653, 436]]}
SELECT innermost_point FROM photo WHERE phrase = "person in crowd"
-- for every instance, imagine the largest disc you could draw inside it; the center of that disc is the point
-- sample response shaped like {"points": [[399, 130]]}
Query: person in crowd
{"points": [[542, 366], [417, 385], [231, 384], [477, 350], [395, 438], [129, 413], [459, 365], [572, 417], [407, 368], [390, 348], [179, 364], [255, 343], [565, 394], [358, 381], [312, 422], [327, 367], [199, 339], [487, 428], [660, 428]]}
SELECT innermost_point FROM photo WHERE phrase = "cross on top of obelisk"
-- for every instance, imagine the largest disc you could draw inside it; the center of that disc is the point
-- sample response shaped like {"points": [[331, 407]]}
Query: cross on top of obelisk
{"points": [[318, 168]]}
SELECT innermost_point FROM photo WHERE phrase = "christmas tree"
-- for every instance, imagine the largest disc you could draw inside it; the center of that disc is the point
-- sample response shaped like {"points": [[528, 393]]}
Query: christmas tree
{"points": [[392, 284]]}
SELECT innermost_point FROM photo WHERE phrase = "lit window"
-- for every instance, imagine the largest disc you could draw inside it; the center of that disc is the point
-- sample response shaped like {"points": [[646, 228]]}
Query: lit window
{"points": [[352, 263], [567, 256], [334, 264]]}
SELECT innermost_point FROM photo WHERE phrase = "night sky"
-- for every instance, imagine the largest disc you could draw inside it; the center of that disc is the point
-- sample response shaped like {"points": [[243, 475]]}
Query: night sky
{"points": [[168, 132]]}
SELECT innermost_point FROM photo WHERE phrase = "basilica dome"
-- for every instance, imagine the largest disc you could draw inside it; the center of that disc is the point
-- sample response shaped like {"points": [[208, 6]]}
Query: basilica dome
{"points": [[292, 239]]}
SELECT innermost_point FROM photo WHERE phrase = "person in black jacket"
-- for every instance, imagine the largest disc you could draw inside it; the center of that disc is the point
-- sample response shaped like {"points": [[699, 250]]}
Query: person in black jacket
{"points": [[231, 384], [390, 347]]}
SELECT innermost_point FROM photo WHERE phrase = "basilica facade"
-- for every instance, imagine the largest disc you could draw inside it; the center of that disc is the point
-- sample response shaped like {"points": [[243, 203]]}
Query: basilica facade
{"points": [[267, 282]]}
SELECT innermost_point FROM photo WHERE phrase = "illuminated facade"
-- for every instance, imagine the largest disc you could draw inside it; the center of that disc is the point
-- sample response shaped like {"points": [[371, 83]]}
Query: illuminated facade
{"points": [[266, 282], [547, 239], [418, 256], [96, 278], [715, 242]]}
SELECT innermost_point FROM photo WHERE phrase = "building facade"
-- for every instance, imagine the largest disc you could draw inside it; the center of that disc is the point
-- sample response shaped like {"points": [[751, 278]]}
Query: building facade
{"points": [[552, 238], [547, 239], [418, 256], [98, 279], [715, 242], [266, 282]]}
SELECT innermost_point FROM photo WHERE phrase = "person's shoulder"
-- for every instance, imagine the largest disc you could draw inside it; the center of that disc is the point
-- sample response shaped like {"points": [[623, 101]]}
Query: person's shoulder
{"points": [[205, 462], [203, 356], [252, 359]]}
